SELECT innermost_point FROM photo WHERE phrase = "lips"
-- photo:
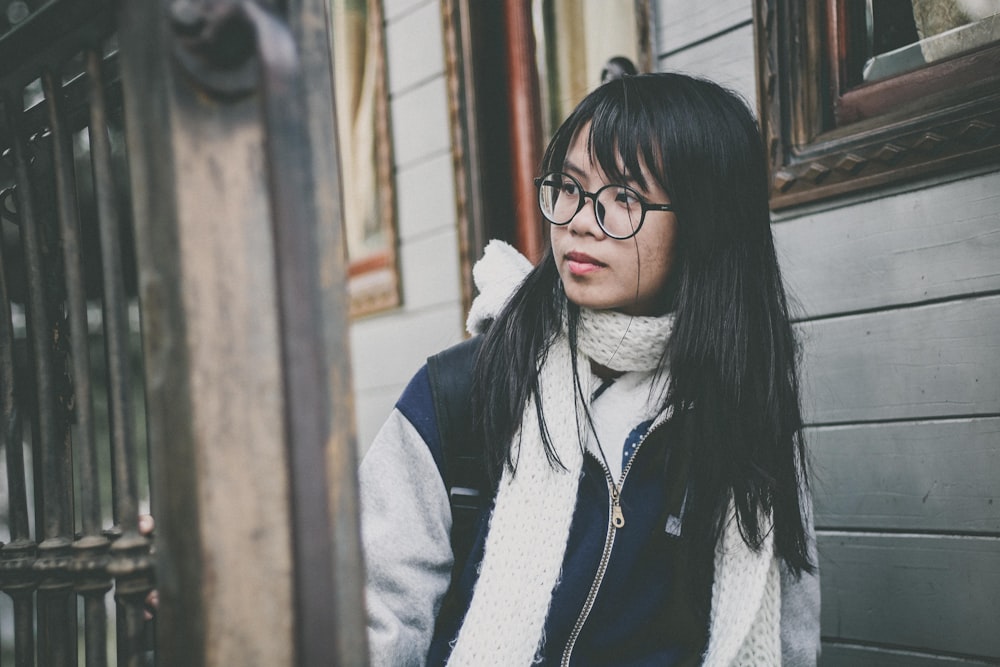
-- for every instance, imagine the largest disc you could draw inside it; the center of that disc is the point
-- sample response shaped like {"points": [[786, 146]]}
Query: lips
{"points": [[581, 263]]}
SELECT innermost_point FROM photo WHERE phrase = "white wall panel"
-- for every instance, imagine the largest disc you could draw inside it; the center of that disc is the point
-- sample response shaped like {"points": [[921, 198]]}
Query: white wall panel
{"points": [[420, 123], [388, 349], [430, 270], [679, 23], [372, 408], [728, 60], [417, 33], [394, 9], [425, 198]]}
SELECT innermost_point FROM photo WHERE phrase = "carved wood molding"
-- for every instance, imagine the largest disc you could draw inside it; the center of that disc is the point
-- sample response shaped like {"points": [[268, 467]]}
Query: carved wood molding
{"points": [[901, 130]]}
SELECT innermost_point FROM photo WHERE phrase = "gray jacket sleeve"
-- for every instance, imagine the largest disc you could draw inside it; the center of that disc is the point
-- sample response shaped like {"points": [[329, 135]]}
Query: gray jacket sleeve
{"points": [[405, 528], [800, 604]]}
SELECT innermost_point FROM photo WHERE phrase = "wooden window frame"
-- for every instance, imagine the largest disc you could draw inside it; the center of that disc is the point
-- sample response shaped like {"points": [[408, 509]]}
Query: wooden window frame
{"points": [[827, 136]]}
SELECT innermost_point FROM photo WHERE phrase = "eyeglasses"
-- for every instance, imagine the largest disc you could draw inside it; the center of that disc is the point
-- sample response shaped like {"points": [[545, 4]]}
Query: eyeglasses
{"points": [[619, 209]]}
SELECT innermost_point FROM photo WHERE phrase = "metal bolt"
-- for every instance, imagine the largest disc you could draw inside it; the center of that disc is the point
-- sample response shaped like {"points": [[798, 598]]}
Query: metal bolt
{"points": [[17, 11]]}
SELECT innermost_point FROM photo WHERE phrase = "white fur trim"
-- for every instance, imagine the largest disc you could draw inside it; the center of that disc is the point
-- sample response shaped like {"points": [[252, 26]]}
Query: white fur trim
{"points": [[497, 275]]}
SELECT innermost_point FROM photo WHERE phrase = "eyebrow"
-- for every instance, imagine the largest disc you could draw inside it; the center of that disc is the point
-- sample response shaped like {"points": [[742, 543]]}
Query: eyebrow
{"points": [[574, 170], [570, 167]]}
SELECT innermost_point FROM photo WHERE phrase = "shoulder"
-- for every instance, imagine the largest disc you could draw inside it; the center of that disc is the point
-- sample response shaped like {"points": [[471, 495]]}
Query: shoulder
{"points": [[438, 393], [416, 405]]}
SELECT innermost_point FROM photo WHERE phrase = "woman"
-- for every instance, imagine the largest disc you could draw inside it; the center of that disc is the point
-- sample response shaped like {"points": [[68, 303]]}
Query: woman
{"points": [[634, 399]]}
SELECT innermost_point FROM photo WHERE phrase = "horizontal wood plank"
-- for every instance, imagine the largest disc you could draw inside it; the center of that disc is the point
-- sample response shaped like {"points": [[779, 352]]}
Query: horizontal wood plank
{"points": [[396, 8], [420, 135], [372, 408], [845, 655], [418, 32], [728, 60], [926, 593], [678, 25], [420, 189], [388, 348], [930, 244], [912, 476], [924, 362], [430, 270]]}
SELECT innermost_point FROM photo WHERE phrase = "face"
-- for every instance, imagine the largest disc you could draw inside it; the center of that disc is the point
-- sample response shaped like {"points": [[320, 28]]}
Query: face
{"points": [[604, 273]]}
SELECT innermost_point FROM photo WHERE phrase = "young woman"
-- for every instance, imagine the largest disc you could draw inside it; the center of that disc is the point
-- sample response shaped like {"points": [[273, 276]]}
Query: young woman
{"points": [[634, 401]]}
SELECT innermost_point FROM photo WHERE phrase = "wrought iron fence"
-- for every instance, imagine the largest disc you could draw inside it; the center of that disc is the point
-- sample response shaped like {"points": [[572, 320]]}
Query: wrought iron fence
{"points": [[70, 390], [238, 270]]}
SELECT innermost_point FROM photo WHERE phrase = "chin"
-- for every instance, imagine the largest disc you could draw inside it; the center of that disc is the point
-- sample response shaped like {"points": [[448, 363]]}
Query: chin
{"points": [[588, 301]]}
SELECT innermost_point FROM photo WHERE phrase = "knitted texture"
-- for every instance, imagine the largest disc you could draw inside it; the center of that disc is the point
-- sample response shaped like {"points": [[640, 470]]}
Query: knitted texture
{"points": [[623, 342], [744, 628], [531, 519], [762, 645]]}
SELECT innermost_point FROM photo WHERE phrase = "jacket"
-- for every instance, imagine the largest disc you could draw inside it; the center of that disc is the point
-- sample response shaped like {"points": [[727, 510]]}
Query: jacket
{"points": [[638, 614]]}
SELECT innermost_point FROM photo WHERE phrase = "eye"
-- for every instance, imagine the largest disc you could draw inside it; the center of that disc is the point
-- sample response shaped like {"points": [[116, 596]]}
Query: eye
{"points": [[570, 188], [627, 197]]}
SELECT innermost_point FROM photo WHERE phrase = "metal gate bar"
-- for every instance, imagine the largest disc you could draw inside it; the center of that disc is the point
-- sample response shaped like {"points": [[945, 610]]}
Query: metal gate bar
{"points": [[15, 557], [130, 564], [46, 581], [53, 496]]}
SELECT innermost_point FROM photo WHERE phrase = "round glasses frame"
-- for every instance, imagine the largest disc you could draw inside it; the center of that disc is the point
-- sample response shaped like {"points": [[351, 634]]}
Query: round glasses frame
{"points": [[555, 177]]}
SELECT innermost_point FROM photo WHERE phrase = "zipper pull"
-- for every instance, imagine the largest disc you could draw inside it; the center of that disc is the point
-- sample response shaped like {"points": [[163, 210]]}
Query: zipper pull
{"points": [[617, 516]]}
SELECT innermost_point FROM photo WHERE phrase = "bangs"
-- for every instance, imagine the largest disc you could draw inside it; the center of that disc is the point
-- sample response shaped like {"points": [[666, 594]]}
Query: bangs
{"points": [[619, 138], [623, 134]]}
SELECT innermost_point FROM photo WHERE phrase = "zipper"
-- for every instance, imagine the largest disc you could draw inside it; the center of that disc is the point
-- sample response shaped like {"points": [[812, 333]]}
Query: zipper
{"points": [[609, 542], [616, 521]]}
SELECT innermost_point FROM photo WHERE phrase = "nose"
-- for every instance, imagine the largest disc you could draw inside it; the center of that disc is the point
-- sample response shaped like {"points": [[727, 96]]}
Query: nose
{"points": [[585, 220]]}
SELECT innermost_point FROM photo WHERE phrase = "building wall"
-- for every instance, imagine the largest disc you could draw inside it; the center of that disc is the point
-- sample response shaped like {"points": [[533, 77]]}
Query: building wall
{"points": [[388, 348], [899, 315]]}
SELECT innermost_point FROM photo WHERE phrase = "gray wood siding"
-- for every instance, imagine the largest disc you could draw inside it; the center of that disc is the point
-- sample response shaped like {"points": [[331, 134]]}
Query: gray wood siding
{"points": [[910, 363], [925, 592], [897, 302], [939, 476]]}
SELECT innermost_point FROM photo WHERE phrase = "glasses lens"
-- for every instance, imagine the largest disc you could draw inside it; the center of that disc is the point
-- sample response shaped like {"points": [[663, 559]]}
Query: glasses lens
{"points": [[619, 210], [558, 197]]}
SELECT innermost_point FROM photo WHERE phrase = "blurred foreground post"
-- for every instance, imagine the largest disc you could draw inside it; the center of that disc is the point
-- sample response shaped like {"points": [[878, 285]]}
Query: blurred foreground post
{"points": [[233, 163]]}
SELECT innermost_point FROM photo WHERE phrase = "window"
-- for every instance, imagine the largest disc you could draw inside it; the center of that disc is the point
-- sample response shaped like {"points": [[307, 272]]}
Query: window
{"points": [[859, 95]]}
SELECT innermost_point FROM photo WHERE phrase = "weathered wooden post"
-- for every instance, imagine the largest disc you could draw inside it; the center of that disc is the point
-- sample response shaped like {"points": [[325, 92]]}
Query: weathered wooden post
{"points": [[233, 161]]}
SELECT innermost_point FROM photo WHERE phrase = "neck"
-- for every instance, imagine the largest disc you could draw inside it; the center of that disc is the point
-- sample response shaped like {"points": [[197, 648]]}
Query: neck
{"points": [[604, 372]]}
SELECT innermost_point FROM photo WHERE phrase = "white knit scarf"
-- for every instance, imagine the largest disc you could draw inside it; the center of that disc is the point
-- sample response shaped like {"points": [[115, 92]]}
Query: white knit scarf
{"points": [[530, 523]]}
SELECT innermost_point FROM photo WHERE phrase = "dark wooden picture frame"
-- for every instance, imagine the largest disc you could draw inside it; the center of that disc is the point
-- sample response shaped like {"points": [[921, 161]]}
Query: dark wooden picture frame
{"points": [[827, 136]]}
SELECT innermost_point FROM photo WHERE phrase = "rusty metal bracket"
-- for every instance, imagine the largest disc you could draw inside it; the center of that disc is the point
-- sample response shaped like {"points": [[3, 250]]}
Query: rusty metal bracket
{"points": [[216, 44]]}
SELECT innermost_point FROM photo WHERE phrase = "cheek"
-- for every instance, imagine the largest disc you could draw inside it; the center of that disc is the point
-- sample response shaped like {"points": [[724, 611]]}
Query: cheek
{"points": [[658, 262]]}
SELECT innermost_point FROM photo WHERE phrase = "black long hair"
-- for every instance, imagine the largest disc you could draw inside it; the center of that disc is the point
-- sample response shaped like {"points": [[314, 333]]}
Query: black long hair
{"points": [[732, 357]]}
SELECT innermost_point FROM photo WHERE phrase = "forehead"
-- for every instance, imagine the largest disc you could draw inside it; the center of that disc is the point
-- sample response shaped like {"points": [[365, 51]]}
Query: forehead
{"points": [[585, 156]]}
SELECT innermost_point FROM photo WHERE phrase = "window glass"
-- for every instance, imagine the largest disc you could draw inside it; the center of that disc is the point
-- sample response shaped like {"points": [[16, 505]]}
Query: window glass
{"points": [[904, 35]]}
